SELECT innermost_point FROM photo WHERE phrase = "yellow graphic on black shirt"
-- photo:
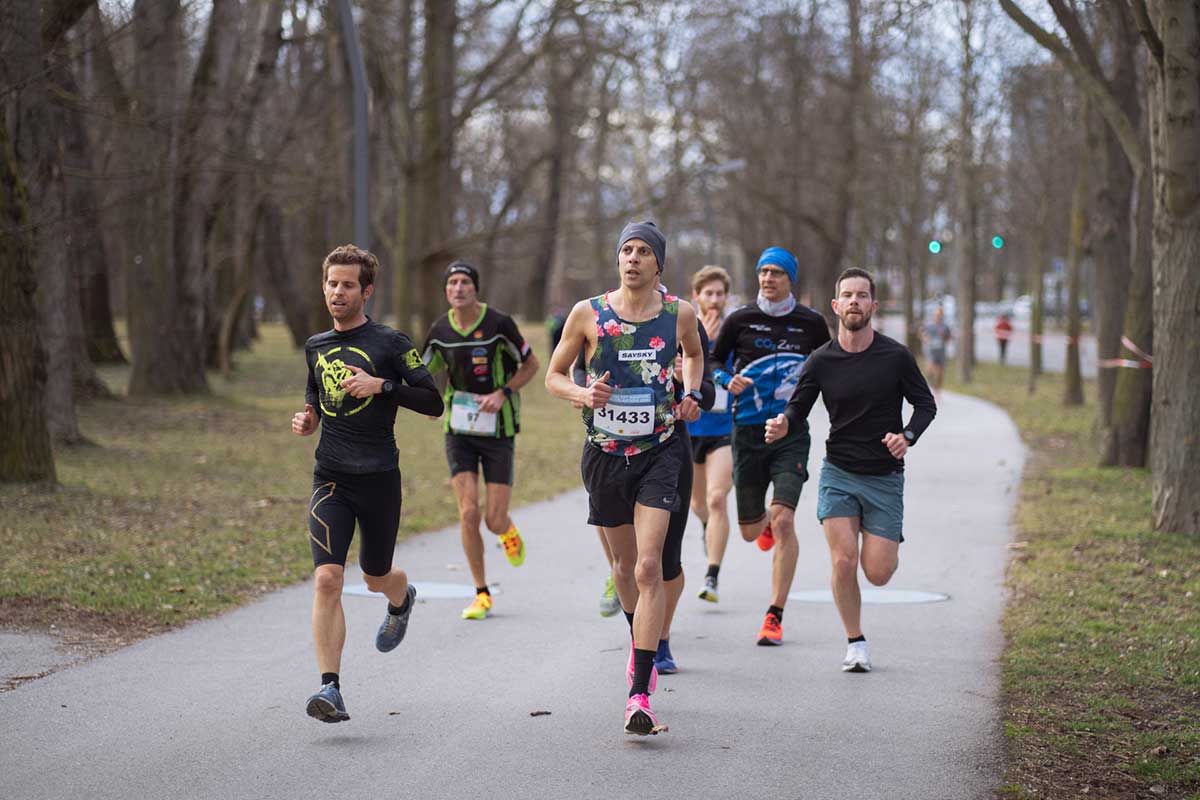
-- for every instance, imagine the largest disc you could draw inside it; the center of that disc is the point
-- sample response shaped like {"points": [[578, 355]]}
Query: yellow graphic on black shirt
{"points": [[412, 359], [332, 373]]}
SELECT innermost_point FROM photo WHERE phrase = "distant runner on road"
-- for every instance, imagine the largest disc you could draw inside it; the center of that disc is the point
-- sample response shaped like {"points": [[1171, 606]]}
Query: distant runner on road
{"points": [[359, 373], [487, 362], [632, 459], [863, 377], [936, 336]]}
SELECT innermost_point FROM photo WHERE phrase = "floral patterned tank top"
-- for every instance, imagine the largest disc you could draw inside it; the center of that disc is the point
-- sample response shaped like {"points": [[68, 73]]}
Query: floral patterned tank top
{"points": [[640, 360]]}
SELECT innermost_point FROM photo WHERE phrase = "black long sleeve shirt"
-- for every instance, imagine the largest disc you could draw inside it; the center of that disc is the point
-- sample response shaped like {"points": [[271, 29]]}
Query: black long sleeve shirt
{"points": [[863, 393], [357, 434]]}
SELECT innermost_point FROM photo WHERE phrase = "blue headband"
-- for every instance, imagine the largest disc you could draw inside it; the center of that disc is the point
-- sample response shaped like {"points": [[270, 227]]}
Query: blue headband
{"points": [[778, 257], [649, 233]]}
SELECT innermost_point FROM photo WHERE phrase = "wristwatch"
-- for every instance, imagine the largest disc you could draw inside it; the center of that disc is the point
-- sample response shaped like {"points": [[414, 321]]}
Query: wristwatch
{"points": [[909, 436], [507, 391], [695, 395], [387, 386]]}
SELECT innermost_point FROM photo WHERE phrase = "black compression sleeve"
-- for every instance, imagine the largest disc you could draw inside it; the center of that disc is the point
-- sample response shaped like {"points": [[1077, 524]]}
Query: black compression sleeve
{"points": [[422, 398], [916, 392]]}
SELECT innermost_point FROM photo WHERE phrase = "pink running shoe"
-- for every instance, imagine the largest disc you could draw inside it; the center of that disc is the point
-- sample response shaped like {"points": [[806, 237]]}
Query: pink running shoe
{"points": [[639, 719], [629, 673]]}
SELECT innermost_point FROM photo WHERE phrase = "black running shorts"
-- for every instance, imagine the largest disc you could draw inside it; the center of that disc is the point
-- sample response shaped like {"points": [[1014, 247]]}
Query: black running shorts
{"points": [[703, 445], [341, 499], [757, 464], [616, 483], [465, 453]]}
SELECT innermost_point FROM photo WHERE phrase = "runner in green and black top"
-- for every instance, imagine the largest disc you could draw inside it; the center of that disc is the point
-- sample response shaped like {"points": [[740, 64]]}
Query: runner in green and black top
{"points": [[359, 373], [487, 361], [632, 460], [768, 341]]}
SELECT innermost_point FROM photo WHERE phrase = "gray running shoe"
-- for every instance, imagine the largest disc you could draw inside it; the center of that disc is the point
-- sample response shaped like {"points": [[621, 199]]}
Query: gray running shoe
{"points": [[327, 706], [610, 604], [709, 592], [394, 626]]}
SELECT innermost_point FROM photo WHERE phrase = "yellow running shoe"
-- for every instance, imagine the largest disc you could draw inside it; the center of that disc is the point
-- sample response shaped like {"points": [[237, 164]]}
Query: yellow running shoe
{"points": [[514, 547], [479, 608]]}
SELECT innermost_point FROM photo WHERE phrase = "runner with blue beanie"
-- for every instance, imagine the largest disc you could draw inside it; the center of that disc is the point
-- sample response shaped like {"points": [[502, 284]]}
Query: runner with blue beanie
{"points": [[768, 342]]}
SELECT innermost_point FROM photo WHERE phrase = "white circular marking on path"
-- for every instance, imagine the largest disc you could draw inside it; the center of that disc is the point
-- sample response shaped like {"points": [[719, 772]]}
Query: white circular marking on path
{"points": [[426, 590], [873, 596]]}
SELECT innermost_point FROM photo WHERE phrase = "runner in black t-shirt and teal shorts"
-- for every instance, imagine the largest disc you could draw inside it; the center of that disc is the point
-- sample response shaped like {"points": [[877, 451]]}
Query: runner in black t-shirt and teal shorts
{"points": [[359, 373], [863, 377], [487, 361]]}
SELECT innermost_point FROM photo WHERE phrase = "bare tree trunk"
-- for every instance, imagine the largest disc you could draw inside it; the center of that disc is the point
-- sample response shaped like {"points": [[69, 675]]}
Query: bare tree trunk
{"points": [[1175, 152], [1129, 442], [845, 192], [1112, 220], [292, 294], [165, 361], [967, 216], [561, 86], [25, 452], [1037, 291], [1073, 386]]}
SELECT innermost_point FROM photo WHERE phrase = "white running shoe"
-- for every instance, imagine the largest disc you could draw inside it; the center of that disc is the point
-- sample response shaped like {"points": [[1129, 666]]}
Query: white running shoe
{"points": [[857, 658]]}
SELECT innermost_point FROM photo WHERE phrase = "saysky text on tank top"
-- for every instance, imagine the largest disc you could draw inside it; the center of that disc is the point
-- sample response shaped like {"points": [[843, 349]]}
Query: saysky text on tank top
{"points": [[863, 393], [640, 360], [770, 352], [478, 360], [357, 434]]}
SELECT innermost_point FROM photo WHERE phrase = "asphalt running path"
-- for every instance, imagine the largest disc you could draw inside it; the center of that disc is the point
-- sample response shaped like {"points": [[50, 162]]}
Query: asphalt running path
{"points": [[217, 710]]}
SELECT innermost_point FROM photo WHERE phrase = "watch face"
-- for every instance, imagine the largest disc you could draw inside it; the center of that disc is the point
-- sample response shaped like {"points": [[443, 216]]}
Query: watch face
{"points": [[909, 435], [387, 386]]}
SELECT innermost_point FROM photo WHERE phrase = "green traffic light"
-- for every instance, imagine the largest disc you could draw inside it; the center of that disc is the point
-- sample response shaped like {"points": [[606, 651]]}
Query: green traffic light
{"points": [[997, 242], [935, 247]]}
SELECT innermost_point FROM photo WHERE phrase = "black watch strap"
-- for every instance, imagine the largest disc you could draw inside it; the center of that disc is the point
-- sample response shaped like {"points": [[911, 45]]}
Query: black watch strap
{"points": [[507, 391]]}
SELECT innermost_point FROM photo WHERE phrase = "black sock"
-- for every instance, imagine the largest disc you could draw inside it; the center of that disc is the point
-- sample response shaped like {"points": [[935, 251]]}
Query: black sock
{"points": [[629, 616], [777, 611], [643, 662], [713, 571], [330, 677], [396, 610], [482, 590], [859, 638]]}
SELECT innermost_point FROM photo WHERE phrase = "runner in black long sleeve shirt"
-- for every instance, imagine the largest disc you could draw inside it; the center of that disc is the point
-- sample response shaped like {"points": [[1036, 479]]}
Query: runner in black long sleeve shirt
{"points": [[359, 373], [863, 394], [863, 377]]}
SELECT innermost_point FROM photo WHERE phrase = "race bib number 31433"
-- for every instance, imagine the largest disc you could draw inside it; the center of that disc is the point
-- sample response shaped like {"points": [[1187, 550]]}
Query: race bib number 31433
{"points": [[629, 414]]}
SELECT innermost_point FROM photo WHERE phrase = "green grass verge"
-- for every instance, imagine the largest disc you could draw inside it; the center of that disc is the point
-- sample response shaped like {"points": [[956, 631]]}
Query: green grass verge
{"points": [[1101, 674], [183, 507]]}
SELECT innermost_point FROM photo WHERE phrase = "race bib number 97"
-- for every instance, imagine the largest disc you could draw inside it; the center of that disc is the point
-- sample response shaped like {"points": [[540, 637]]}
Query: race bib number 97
{"points": [[629, 414], [465, 416]]}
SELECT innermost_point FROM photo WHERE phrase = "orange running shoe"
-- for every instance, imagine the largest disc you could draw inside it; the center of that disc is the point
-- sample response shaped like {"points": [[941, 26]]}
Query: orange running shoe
{"points": [[480, 608], [514, 547], [771, 632], [766, 539]]}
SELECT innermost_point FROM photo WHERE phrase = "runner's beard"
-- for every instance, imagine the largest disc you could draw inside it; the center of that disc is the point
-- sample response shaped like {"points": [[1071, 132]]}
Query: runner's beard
{"points": [[857, 322]]}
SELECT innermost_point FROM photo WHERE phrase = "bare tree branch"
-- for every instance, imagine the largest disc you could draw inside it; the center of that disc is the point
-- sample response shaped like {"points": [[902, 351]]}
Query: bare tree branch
{"points": [[1122, 126]]}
